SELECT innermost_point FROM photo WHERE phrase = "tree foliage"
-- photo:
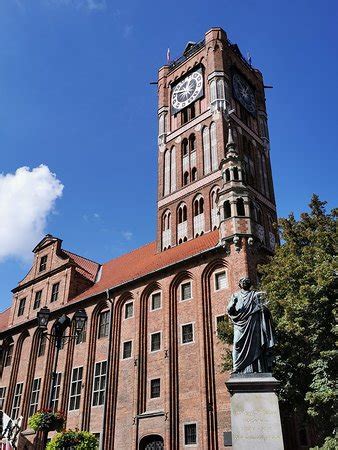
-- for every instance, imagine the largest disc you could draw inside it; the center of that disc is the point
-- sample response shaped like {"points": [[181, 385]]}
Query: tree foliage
{"points": [[301, 282]]}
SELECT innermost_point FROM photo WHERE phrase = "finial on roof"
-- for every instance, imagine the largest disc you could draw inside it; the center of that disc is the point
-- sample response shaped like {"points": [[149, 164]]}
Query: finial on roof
{"points": [[231, 146]]}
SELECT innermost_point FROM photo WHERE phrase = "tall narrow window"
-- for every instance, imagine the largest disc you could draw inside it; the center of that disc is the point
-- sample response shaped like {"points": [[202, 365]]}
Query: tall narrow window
{"points": [[236, 173], [2, 397], [194, 174], [35, 396], [173, 169], [16, 401], [190, 434], [186, 291], [21, 309], [227, 209], [75, 389], [43, 263], [166, 172], [213, 145], [155, 388], [155, 342], [127, 349], [156, 301], [240, 207], [81, 336], [42, 344], [99, 384], [192, 143], [56, 391], [129, 310], [104, 324], [185, 178], [55, 292], [9, 355], [37, 300], [206, 150]]}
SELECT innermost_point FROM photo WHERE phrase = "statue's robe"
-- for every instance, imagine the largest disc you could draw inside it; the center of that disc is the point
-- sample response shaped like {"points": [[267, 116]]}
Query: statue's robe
{"points": [[253, 336]]}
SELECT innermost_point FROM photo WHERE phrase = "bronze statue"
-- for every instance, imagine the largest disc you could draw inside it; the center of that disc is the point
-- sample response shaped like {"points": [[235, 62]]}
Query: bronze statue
{"points": [[253, 335]]}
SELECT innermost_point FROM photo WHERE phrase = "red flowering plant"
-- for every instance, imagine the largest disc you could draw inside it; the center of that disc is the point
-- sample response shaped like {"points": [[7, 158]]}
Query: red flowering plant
{"points": [[47, 420]]}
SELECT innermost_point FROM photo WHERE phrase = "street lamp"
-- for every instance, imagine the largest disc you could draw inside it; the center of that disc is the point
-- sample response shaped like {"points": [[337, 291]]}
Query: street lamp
{"points": [[56, 336]]}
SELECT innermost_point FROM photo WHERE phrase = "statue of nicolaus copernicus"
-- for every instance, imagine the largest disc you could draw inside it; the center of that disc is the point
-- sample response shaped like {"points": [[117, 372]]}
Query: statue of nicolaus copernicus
{"points": [[253, 335]]}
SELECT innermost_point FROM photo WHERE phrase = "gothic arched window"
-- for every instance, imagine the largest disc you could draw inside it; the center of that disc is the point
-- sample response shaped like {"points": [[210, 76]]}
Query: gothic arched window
{"points": [[240, 207], [227, 209], [213, 146]]}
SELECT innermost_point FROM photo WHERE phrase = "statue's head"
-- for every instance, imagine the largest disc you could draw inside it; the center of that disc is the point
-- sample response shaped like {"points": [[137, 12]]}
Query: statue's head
{"points": [[245, 283]]}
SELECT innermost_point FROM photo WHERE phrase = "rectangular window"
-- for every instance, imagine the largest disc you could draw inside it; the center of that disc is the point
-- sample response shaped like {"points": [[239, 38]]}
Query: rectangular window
{"points": [[56, 391], [55, 292], [2, 397], [190, 434], [187, 333], [35, 396], [81, 336], [129, 310], [9, 355], [16, 401], [186, 291], [43, 263], [155, 388], [22, 304], [75, 389], [37, 300], [155, 342], [104, 324], [42, 344], [127, 349], [220, 280], [156, 301], [99, 384]]}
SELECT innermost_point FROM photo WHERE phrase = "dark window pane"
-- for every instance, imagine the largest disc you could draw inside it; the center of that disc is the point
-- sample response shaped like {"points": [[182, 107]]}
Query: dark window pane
{"points": [[43, 263], [156, 301], [155, 342], [187, 333], [55, 292], [190, 436], [155, 388], [127, 347], [186, 291]]}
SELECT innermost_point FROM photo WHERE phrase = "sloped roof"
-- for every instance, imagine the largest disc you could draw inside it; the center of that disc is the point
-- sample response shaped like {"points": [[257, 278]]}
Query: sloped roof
{"points": [[4, 317], [86, 267], [145, 260]]}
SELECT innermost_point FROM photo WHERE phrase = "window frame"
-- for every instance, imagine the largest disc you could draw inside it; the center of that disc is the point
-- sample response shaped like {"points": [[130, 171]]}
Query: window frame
{"points": [[104, 326], [56, 391], [181, 291], [150, 342], [131, 350], [193, 333], [150, 388], [21, 306], [34, 397], [54, 295], [151, 301], [3, 391], [36, 299], [42, 344], [43, 263], [16, 402], [9, 355], [217, 272], [128, 302], [78, 387], [184, 434], [100, 390]]}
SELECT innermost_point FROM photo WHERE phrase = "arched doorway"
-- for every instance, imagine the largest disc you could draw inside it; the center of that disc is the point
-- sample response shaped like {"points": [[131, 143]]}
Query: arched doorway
{"points": [[152, 442]]}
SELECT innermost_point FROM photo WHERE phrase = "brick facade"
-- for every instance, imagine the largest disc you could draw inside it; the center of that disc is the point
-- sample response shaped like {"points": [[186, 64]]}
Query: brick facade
{"points": [[192, 384]]}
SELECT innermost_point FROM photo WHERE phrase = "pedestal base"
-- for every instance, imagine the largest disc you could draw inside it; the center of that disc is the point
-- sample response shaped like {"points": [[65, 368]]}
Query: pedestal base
{"points": [[255, 418]]}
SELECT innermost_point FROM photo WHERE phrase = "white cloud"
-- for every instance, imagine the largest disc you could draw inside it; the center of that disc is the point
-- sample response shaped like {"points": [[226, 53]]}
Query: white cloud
{"points": [[26, 199], [127, 235]]}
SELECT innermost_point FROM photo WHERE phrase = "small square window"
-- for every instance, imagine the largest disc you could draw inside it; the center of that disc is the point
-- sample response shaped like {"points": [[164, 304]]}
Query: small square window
{"points": [[155, 388], [129, 310], [127, 349], [43, 263], [37, 300], [21, 308], [220, 280], [190, 434], [156, 301], [186, 291], [187, 333], [155, 344]]}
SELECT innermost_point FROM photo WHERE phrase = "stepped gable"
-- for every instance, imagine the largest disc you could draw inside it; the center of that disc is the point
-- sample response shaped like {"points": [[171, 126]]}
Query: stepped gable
{"points": [[145, 260]]}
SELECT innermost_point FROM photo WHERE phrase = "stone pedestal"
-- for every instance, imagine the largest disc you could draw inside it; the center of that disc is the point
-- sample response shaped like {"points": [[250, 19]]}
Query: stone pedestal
{"points": [[255, 418]]}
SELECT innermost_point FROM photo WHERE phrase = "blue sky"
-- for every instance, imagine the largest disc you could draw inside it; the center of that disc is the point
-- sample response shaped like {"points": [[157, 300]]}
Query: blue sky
{"points": [[75, 96]]}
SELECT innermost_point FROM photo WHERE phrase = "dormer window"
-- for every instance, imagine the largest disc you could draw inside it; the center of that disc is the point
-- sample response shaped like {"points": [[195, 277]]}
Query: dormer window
{"points": [[43, 263]]}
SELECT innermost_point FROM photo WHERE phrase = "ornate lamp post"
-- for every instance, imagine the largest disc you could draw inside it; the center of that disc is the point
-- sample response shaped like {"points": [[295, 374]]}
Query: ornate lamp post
{"points": [[56, 336]]}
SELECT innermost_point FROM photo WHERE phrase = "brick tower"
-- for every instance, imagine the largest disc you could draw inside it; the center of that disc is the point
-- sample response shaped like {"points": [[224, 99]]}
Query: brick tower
{"points": [[213, 160]]}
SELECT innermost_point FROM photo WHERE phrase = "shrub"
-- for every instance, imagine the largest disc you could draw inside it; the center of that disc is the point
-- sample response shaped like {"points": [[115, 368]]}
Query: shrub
{"points": [[47, 420], [81, 440]]}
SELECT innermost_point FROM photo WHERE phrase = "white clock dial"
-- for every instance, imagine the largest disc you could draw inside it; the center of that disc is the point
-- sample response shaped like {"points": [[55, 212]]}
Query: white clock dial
{"points": [[187, 90], [244, 93]]}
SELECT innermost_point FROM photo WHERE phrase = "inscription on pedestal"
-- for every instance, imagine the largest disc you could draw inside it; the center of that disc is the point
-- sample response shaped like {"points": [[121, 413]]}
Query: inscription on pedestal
{"points": [[255, 422]]}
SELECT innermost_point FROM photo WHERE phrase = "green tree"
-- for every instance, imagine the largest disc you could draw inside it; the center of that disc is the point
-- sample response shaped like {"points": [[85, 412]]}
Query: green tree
{"points": [[301, 282]]}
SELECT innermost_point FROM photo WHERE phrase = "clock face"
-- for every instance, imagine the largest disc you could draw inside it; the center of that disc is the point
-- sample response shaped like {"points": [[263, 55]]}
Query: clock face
{"points": [[244, 93], [187, 91]]}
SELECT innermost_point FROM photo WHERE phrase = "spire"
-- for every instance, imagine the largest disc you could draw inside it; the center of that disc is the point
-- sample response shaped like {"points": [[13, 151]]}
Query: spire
{"points": [[231, 146]]}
